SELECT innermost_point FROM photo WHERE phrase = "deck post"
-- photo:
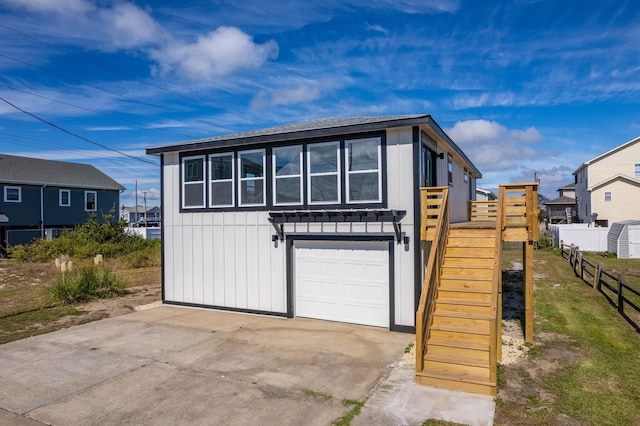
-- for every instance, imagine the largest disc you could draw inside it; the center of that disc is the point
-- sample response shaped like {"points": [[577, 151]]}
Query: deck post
{"points": [[527, 254]]}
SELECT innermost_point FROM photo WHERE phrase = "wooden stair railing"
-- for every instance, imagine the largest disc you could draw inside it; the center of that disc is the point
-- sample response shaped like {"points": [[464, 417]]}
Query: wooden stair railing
{"points": [[435, 227]]}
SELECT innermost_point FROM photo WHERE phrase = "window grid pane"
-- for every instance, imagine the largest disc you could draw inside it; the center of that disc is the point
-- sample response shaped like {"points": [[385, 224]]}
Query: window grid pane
{"points": [[363, 171], [287, 175], [193, 184], [221, 180], [324, 170], [251, 178]]}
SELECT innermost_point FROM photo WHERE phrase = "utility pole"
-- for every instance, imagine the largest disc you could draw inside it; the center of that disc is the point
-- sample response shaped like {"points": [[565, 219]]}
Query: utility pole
{"points": [[145, 208], [135, 208]]}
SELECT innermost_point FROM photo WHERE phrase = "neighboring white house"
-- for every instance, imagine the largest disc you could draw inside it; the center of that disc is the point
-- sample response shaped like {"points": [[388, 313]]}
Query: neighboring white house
{"points": [[608, 186], [485, 195], [134, 215], [317, 219]]}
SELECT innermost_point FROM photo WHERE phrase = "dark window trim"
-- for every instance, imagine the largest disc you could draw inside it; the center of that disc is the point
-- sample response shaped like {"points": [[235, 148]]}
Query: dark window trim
{"points": [[264, 178], [268, 170], [205, 182], [209, 181], [290, 277]]}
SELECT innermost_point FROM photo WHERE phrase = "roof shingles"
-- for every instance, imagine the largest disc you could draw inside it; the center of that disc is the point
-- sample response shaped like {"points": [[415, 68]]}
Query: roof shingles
{"points": [[34, 171]]}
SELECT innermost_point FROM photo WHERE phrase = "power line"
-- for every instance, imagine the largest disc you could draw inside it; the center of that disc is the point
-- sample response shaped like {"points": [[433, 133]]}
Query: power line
{"points": [[76, 135], [94, 111]]}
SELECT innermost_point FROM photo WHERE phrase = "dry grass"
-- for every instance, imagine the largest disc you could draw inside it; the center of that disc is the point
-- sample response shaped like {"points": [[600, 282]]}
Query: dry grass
{"points": [[26, 308]]}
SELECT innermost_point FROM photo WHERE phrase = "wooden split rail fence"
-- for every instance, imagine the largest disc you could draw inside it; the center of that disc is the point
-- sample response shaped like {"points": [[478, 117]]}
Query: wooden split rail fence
{"points": [[599, 279]]}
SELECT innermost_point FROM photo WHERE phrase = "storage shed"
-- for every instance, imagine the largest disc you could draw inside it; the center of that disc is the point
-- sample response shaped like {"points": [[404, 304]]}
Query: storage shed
{"points": [[624, 239], [319, 219]]}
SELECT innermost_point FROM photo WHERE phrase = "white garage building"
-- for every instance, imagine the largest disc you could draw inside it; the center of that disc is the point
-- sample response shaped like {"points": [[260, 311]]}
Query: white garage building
{"points": [[318, 219]]}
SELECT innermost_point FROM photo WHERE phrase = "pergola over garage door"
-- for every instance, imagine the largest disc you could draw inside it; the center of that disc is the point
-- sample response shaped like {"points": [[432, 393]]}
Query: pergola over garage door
{"points": [[346, 281]]}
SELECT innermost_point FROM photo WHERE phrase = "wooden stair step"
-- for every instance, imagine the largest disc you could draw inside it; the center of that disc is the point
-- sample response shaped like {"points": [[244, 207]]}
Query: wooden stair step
{"points": [[465, 315], [456, 360], [459, 382], [461, 289], [460, 329], [448, 301], [458, 344], [448, 276], [477, 252]]}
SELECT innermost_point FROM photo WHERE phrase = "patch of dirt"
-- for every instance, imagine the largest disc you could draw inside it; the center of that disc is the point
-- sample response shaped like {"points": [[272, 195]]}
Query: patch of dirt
{"points": [[135, 298]]}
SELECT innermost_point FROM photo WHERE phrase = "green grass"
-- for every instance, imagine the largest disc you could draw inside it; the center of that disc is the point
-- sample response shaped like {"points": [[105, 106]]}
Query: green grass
{"points": [[319, 395], [21, 325], [346, 420], [593, 351]]}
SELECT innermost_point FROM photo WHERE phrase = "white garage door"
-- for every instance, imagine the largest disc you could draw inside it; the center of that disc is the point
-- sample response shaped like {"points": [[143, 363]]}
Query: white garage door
{"points": [[345, 281]]}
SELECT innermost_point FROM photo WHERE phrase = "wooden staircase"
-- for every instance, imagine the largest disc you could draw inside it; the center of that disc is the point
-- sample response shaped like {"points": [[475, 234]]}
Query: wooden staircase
{"points": [[458, 344], [459, 315]]}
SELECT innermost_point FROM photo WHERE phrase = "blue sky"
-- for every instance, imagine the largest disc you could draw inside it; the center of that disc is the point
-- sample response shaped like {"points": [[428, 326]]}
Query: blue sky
{"points": [[522, 86]]}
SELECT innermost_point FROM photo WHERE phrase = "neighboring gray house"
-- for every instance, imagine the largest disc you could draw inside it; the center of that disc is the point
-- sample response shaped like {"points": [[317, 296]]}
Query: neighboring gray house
{"points": [[38, 198], [563, 208], [318, 219], [135, 215]]}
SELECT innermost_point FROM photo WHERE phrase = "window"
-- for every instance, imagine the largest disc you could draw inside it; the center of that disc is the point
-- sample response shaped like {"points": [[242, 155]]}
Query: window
{"points": [[636, 171], [221, 185], [363, 178], [251, 165], [90, 201], [193, 182], [12, 194], [450, 170], [64, 198], [324, 173], [287, 175], [607, 196], [466, 176]]}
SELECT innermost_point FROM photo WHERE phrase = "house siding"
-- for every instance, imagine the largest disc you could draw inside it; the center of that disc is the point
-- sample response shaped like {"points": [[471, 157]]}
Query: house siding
{"points": [[27, 212], [227, 258], [624, 204], [620, 162]]}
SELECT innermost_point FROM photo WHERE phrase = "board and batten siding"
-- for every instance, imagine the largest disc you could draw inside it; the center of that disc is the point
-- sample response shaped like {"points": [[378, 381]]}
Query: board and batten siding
{"points": [[223, 259], [228, 259]]}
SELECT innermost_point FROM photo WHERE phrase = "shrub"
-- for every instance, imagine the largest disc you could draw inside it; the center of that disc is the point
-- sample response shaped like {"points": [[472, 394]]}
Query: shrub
{"points": [[88, 283], [107, 237], [545, 240]]}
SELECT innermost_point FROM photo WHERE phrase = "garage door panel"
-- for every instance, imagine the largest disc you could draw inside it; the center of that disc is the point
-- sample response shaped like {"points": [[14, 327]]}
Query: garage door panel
{"points": [[344, 281]]}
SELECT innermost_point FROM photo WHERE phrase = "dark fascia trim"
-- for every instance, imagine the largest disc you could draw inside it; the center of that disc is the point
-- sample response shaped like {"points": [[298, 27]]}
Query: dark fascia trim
{"points": [[162, 229], [403, 329], [225, 308], [332, 132], [345, 237], [436, 127], [332, 216], [417, 243], [338, 236]]}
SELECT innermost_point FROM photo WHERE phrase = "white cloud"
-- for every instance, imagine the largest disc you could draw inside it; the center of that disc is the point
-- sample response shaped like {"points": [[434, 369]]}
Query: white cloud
{"points": [[474, 130], [216, 54], [108, 128], [492, 147], [130, 26], [529, 135], [62, 7]]}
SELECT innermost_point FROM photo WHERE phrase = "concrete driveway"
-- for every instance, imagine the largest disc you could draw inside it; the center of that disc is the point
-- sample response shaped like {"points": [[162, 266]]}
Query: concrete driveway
{"points": [[172, 365]]}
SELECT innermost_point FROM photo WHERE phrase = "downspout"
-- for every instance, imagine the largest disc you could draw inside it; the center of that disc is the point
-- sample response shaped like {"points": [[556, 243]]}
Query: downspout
{"points": [[42, 210]]}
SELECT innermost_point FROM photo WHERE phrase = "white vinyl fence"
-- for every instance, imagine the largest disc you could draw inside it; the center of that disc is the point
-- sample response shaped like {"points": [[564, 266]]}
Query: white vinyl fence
{"points": [[588, 238], [149, 233]]}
